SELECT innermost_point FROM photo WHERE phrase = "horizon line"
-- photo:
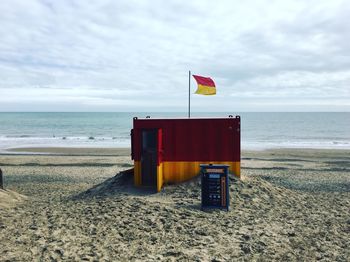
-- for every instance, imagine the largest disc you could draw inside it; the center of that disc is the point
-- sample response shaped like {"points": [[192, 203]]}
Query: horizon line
{"points": [[185, 112]]}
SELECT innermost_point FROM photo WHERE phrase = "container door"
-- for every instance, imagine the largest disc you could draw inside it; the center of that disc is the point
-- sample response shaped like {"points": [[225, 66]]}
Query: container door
{"points": [[160, 146], [160, 153], [149, 157], [132, 144]]}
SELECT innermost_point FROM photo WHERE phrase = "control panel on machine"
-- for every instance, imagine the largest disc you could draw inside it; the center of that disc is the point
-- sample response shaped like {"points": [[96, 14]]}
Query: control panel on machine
{"points": [[215, 186]]}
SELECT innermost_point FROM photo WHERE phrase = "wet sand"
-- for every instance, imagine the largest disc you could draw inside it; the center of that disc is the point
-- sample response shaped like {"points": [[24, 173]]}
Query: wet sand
{"points": [[72, 151], [290, 205]]}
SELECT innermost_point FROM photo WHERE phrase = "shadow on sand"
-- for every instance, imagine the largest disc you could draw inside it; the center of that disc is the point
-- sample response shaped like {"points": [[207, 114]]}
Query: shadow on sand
{"points": [[121, 184]]}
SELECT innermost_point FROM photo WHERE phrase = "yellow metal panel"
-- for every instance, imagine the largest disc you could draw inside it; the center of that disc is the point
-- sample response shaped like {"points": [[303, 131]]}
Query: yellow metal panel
{"points": [[159, 177], [137, 173], [174, 172], [179, 171]]}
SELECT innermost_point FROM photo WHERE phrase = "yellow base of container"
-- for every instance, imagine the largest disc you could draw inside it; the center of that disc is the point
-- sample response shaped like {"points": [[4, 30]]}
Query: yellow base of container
{"points": [[175, 172]]}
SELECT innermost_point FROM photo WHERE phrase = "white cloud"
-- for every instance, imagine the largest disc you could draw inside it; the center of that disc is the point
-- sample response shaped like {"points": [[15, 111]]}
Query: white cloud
{"points": [[135, 55]]}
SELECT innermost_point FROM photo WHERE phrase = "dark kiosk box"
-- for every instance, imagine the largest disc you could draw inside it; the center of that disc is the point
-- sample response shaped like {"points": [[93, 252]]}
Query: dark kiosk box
{"points": [[215, 186]]}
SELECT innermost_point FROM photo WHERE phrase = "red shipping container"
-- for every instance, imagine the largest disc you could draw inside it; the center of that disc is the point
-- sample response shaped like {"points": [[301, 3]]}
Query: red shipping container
{"points": [[170, 150]]}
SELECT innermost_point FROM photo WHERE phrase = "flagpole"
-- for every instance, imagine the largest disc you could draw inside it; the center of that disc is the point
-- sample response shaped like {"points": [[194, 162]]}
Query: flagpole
{"points": [[189, 94]]}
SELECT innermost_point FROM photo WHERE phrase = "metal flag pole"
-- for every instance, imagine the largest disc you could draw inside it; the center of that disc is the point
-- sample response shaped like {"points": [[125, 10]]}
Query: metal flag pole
{"points": [[189, 94]]}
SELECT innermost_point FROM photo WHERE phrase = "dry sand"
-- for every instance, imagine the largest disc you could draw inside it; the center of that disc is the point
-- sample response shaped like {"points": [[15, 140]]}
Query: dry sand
{"points": [[291, 205], [9, 199]]}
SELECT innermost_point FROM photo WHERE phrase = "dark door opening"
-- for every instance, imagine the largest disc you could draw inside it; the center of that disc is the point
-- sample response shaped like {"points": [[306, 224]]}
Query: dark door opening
{"points": [[149, 157]]}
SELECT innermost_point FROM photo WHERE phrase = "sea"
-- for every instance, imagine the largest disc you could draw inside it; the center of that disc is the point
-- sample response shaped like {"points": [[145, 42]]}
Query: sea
{"points": [[259, 131]]}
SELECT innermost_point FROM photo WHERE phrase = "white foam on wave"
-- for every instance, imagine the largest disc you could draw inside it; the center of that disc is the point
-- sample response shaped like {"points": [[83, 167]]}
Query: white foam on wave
{"points": [[76, 141], [254, 145], [7, 142]]}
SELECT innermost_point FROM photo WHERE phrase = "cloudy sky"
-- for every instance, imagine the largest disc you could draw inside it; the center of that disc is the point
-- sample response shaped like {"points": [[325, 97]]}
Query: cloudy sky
{"points": [[135, 55]]}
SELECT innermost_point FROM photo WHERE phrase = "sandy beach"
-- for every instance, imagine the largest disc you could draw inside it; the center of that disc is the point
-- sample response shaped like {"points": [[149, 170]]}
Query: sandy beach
{"points": [[290, 205]]}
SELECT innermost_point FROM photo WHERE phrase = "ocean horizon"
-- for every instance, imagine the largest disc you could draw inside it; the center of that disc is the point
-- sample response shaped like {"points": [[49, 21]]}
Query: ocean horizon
{"points": [[260, 130]]}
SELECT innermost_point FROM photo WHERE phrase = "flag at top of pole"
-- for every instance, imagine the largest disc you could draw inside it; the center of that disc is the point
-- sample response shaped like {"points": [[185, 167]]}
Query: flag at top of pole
{"points": [[206, 85]]}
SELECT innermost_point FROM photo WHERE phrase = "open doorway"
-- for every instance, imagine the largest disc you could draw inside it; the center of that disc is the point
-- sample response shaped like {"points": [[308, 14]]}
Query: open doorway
{"points": [[149, 157]]}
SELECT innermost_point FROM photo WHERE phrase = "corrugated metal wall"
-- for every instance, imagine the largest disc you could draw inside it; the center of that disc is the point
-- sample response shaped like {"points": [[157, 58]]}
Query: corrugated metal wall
{"points": [[185, 143], [216, 139]]}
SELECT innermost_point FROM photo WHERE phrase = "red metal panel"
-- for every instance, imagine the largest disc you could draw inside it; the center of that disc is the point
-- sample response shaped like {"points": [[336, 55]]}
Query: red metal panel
{"points": [[196, 139], [160, 147]]}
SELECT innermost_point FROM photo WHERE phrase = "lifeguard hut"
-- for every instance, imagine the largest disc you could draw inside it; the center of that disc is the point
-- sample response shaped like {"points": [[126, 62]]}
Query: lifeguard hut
{"points": [[171, 150]]}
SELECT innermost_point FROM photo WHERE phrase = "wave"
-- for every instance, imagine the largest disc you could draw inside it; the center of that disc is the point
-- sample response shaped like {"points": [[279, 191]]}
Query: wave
{"points": [[64, 141], [255, 145], [18, 136], [21, 137], [124, 141]]}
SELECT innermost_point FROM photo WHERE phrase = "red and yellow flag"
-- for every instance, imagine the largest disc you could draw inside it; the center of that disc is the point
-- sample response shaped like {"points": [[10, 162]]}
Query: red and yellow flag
{"points": [[206, 85]]}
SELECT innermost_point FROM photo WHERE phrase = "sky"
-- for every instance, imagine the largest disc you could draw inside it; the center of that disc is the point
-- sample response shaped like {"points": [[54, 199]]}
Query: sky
{"points": [[81, 55]]}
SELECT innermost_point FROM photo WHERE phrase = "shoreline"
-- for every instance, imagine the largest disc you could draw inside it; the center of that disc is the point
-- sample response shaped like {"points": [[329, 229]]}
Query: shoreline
{"points": [[89, 151], [126, 151]]}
